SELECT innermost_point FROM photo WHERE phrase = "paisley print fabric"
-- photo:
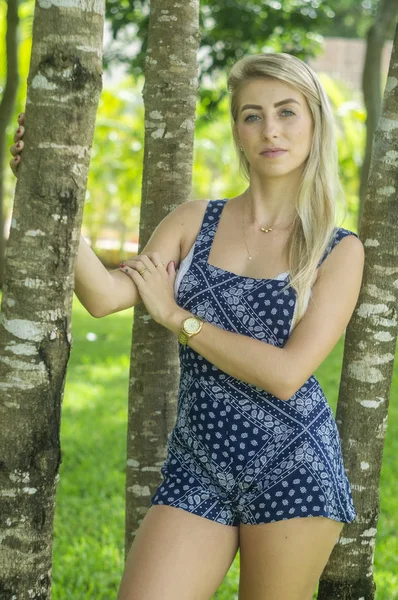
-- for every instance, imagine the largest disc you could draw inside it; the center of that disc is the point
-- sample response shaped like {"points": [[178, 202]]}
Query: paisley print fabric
{"points": [[237, 453]]}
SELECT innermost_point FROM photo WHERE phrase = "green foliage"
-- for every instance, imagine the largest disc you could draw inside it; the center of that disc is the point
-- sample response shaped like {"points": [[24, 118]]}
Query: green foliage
{"points": [[229, 30], [350, 119], [233, 28], [353, 18], [89, 519], [114, 184]]}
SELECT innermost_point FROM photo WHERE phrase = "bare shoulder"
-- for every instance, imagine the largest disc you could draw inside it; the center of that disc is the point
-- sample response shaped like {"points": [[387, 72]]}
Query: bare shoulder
{"points": [[194, 212], [349, 252]]}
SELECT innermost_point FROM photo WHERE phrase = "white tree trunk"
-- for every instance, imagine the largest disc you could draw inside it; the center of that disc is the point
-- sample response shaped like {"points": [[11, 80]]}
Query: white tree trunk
{"points": [[370, 345], [170, 94], [376, 37], [64, 85]]}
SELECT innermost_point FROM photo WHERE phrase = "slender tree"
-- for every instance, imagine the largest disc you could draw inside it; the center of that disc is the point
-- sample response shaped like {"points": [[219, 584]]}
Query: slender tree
{"points": [[64, 85], [377, 35], [369, 351], [7, 107], [170, 93]]}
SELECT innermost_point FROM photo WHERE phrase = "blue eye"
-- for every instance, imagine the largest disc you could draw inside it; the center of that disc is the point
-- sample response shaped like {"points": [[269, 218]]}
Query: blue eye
{"points": [[247, 118], [283, 111]]}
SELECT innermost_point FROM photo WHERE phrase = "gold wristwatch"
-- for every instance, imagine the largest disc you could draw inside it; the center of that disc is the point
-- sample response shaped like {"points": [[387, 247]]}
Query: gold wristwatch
{"points": [[190, 326]]}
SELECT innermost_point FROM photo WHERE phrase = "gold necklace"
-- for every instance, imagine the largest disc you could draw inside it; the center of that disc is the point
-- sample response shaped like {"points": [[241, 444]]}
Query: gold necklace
{"points": [[262, 228], [266, 231]]}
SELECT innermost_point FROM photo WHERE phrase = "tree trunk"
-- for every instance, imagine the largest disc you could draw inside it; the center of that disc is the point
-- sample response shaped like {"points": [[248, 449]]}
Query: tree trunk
{"points": [[370, 345], [372, 85], [170, 93], [7, 108], [63, 90]]}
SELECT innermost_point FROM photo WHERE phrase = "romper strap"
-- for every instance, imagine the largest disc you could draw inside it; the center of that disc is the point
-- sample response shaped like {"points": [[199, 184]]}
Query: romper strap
{"points": [[208, 229], [340, 233]]}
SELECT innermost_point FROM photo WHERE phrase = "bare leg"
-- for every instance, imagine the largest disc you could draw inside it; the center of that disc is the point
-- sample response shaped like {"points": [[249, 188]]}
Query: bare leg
{"points": [[284, 560], [177, 555]]}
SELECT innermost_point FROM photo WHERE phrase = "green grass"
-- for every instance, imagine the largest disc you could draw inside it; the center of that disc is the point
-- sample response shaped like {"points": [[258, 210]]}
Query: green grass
{"points": [[88, 550]]}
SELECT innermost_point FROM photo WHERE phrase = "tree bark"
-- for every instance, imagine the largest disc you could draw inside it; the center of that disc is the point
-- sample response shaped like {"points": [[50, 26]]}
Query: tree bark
{"points": [[372, 85], [7, 107], [170, 93], [64, 85], [369, 351]]}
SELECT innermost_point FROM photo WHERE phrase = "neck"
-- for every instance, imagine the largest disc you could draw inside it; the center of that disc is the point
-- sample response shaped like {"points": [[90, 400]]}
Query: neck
{"points": [[258, 219], [272, 200]]}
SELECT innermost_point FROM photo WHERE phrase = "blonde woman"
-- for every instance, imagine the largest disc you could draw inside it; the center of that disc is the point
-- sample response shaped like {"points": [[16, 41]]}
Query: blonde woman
{"points": [[265, 287]]}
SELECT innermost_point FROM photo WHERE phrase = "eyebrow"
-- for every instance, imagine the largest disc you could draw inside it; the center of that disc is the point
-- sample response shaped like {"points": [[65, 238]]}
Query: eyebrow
{"points": [[288, 100]]}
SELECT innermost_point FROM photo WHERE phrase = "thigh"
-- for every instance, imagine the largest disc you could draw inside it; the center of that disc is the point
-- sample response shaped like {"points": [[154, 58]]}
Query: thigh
{"points": [[285, 559], [177, 555]]}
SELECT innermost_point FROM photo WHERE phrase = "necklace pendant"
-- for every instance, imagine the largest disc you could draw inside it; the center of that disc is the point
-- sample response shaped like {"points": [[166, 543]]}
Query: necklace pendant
{"points": [[266, 230], [250, 257]]}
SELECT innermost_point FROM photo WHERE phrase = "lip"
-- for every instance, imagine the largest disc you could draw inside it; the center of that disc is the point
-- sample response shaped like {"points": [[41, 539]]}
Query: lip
{"points": [[273, 153], [272, 148]]}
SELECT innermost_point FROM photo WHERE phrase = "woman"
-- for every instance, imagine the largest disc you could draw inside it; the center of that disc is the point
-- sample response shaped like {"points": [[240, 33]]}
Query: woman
{"points": [[265, 287]]}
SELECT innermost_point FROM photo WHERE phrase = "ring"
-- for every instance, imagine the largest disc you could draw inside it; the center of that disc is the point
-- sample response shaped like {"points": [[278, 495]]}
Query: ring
{"points": [[143, 271]]}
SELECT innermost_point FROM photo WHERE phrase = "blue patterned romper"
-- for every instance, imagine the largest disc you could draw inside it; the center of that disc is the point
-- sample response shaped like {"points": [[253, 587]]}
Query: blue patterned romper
{"points": [[237, 453]]}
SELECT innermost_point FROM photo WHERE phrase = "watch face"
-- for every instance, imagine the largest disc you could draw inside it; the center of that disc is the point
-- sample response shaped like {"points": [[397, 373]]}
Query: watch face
{"points": [[191, 325]]}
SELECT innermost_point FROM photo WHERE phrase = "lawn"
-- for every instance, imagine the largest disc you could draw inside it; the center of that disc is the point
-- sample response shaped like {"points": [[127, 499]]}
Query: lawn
{"points": [[88, 548]]}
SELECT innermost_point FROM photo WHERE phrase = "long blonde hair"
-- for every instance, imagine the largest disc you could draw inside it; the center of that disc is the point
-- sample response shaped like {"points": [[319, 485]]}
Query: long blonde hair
{"points": [[320, 186]]}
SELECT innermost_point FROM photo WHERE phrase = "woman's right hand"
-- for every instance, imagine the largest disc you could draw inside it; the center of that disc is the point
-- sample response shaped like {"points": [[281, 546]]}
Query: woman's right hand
{"points": [[17, 148]]}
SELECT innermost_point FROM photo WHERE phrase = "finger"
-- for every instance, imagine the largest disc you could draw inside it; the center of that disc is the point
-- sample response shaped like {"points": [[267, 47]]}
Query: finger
{"points": [[146, 262], [154, 256], [138, 256], [129, 263], [17, 148], [19, 133], [135, 276], [14, 163], [157, 260]]}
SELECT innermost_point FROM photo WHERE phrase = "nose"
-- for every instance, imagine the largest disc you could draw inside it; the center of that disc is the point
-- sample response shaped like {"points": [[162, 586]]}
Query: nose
{"points": [[270, 127]]}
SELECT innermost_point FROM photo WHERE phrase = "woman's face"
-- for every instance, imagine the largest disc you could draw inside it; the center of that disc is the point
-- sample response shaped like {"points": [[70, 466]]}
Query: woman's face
{"points": [[288, 126]]}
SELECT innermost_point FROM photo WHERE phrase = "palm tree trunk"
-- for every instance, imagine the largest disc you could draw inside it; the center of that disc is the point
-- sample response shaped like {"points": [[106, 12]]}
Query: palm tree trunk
{"points": [[63, 90], [370, 345], [170, 93]]}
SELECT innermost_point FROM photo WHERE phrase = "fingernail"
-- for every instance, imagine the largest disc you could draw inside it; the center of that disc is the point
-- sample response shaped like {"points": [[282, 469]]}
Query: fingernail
{"points": [[122, 265], [18, 145], [18, 131]]}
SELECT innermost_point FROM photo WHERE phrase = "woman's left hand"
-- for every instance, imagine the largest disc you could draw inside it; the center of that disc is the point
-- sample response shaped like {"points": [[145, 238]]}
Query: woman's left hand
{"points": [[155, 286]]}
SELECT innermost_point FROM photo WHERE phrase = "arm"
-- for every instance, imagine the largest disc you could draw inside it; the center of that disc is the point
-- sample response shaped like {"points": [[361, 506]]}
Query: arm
{"points": [[333, 301], [95, 285], [241, 356], [282, 371], [105, 292]]}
